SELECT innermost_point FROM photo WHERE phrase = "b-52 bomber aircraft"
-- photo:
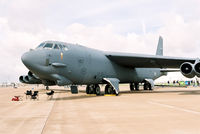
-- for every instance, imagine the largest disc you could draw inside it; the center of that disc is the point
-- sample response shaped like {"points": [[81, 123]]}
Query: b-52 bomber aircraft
{"points": [[59, 63]]}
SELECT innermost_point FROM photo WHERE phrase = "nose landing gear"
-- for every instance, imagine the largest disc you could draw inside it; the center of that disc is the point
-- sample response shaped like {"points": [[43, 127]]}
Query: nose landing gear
{"points": [[47, 87]]}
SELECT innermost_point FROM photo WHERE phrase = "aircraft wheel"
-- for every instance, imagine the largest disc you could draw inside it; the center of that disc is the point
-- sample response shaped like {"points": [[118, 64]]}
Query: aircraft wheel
{"points": [[109, 90], [90, 89], [106, 89], [145, 86], [47, 87], [149, 85], [87, 89], [132, 86], [137, 86], [97, 89]]}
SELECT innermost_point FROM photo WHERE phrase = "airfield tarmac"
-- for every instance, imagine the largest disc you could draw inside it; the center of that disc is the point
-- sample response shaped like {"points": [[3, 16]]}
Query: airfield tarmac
{"points": [[162, 111]]}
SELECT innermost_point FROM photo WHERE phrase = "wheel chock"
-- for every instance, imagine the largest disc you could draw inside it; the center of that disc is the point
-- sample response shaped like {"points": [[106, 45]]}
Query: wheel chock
{"points": [[91, 95], [110, 95]]}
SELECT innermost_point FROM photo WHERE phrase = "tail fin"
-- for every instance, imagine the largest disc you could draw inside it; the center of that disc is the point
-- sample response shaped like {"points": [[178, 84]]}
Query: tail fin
{"points": [[159, 50]]}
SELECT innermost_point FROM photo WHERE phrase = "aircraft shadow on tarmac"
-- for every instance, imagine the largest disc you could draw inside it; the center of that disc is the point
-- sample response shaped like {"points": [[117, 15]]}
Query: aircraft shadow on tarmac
{"points": [[84, 96], [74, 97], [181, 92]]}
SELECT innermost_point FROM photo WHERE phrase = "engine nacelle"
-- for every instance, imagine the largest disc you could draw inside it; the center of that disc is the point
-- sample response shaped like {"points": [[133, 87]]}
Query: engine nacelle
{"points": [[197, 69], [22, 79], [32, 80], [29, 79], [187, 69]]}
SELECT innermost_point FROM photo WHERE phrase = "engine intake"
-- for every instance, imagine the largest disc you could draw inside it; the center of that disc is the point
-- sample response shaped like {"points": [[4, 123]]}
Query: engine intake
{"points": [[197, 69], [21, 79], [30, 79], [187, 69]]}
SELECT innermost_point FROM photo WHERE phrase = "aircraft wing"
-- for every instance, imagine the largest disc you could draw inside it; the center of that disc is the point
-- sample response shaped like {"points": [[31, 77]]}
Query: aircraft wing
{"points": [[147, 61]]}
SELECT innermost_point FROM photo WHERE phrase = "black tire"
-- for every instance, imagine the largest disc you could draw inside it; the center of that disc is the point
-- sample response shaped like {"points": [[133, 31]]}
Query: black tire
{"points": [[110, 90], [91, 89], [106, 89], [113, 91], [132, 87], [137, 86], [97, 90], [149, 85], [145, 86], [87, 89]]}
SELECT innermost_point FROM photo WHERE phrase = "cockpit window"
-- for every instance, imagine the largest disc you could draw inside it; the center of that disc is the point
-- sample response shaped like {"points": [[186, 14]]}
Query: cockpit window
{"points": [[41, 45], [60, 46], [56, 46], [65, 47], [48, 45]]}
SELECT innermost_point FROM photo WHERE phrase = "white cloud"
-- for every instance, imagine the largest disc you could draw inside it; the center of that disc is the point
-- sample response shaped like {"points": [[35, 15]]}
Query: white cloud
{"points": [[117, 26]]}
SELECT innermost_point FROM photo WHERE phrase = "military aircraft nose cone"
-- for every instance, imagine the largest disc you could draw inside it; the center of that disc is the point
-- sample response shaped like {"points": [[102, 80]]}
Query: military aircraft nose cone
{"points": [[26, 59], [33, 60]]}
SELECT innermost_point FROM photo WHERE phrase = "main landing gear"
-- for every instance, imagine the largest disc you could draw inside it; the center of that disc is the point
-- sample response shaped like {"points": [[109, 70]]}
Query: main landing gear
{"points": [[147, 86], [135, 86], [47, 87], [110, 90], [93, 89]]}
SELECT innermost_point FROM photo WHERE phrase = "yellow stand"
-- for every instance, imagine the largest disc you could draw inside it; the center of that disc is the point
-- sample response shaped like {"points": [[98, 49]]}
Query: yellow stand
{"points": [[109, 94], [91, 95]]}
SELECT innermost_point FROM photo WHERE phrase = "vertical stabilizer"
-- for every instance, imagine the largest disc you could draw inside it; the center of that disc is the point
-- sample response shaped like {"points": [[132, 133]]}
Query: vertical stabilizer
{"points": [[159, 50]]}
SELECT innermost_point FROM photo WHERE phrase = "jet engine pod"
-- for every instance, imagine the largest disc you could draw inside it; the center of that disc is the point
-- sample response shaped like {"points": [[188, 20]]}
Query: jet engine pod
{"points": [[22, 79], [197, 69], [187, 69], [32, 80], [30, 74], [27, 78]]}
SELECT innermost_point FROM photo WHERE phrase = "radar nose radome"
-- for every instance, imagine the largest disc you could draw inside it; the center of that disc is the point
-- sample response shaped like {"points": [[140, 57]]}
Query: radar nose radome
{"points": [[28, 59], [34, 60], [24, 58]]}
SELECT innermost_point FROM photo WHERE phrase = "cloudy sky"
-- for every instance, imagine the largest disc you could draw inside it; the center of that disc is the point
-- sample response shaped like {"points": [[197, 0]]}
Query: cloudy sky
{"points": [[113, 25]]}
